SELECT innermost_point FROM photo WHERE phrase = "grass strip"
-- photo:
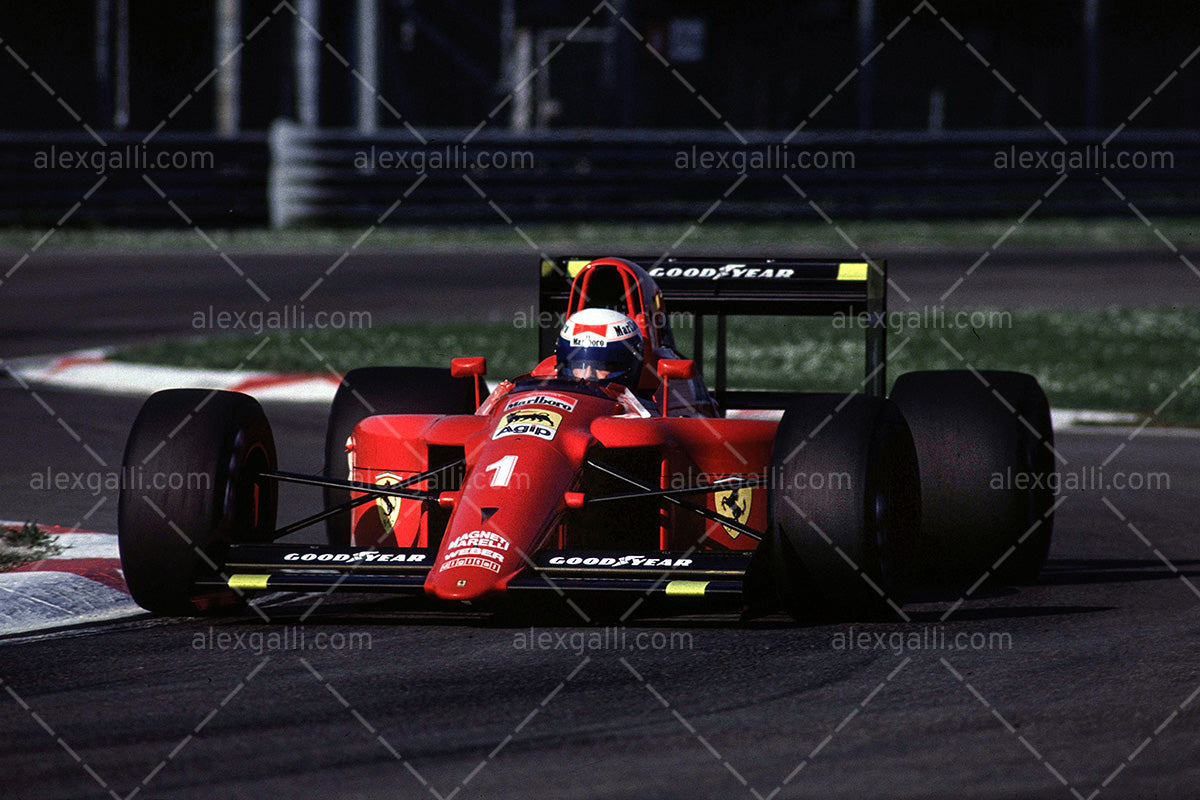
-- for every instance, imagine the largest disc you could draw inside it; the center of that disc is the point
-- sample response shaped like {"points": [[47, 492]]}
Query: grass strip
{"points": [[24, 544], [1121, 359], [876, 236]]}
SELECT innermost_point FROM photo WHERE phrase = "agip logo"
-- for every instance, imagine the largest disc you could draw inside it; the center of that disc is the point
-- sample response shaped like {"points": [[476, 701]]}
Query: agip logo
{"points": [[534, 422]]}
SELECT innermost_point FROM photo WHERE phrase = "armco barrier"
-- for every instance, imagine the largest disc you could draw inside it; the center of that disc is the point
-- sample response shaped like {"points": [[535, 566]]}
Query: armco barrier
{"points": [[294, 176], [121, 179], [340, 176]]}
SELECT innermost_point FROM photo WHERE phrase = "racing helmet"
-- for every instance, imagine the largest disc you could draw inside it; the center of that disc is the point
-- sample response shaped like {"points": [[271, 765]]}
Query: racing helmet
{"points": [[600, 344]]}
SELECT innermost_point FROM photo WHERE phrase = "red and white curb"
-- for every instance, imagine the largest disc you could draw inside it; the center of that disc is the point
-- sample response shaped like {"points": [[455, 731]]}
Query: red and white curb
{"points": [[81, 584], [91, 370]]}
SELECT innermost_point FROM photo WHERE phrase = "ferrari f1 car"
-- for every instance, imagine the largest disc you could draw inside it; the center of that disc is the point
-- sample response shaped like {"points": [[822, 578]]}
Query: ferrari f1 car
{"points": [[666, 489]]}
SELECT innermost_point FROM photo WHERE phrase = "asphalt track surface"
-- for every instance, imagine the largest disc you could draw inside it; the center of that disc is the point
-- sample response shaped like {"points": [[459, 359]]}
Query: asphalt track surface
{"points": [[1085, 685], [57, 301]]}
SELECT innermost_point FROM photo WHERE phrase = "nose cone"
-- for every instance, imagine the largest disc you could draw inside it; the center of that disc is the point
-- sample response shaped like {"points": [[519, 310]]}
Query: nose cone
{"points": [[512, 494], [492, 529], [472, 564], [460, 585]]}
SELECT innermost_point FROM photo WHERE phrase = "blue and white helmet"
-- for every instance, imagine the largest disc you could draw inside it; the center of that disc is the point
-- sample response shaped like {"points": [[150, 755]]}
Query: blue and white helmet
{"points": [[602, 345]]}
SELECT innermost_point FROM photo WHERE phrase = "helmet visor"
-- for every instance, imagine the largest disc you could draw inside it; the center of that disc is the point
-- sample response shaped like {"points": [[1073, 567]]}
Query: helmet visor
{"points": [[596, 370]]}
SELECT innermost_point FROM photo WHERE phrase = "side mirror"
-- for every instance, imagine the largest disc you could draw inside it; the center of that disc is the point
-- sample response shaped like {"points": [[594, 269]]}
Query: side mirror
{"points": [[681, 368], [470, 367], [678, 368]]}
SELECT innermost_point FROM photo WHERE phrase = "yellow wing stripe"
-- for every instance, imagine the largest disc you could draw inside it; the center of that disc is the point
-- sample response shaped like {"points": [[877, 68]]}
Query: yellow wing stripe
{"points": [[686, 588], [852, 271], [574, 267], [248, 581]]}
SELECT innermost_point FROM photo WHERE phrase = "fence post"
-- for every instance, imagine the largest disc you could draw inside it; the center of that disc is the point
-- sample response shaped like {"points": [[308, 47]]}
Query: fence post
{"points": [[285, 181]]}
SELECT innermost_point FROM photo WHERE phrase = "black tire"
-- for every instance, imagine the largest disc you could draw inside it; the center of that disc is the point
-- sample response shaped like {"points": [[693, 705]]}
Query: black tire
{"points": [[971, 446], [192, 488], [819, 519], [369, 391]]}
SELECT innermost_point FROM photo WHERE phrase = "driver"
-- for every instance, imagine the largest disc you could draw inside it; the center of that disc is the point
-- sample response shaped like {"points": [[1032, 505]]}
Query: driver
{"points": [[596, 344], [600, 344]]}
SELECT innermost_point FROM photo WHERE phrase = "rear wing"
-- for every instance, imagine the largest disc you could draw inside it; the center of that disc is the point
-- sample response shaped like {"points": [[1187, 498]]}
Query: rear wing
{"points": [[723, 287]]}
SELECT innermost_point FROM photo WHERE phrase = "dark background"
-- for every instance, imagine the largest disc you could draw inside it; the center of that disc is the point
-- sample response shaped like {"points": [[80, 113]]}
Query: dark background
{"points": [[765, 64]]}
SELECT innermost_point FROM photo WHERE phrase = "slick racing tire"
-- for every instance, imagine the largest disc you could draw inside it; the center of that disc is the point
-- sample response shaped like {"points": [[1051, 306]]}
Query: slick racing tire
{"points": [[845, 507], [369, 391], [985, 451], [192, 487]]}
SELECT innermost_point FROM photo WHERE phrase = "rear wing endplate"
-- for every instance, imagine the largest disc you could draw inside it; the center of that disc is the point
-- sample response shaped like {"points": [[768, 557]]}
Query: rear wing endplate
{"points": [[723, 287]]}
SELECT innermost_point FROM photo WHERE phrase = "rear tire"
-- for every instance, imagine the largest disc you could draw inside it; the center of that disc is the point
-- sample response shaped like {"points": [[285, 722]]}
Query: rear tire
{"points": [[844, 487], [368, 391], [191, 488], [972, 449]]}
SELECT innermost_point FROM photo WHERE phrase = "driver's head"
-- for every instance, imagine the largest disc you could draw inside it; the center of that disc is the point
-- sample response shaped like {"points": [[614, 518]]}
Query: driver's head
{"points": [[600, 344]]}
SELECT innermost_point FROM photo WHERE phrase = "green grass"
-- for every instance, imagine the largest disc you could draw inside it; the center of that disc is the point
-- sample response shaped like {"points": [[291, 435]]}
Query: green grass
{"points": [[510, 350], [25, 544], [554, 238], [1116, 358]]}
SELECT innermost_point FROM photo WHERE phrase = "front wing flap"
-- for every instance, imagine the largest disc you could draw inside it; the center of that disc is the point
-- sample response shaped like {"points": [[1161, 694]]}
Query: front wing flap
{"points": [[253, 568]]}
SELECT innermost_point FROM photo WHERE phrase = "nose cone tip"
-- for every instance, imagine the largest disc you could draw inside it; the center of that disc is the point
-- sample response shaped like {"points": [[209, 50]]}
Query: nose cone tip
{"points": [[449, 586]]}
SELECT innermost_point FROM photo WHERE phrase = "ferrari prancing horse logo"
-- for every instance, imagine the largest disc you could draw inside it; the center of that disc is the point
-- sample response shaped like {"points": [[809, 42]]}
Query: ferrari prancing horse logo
{"points": [[388, 507], [734, 503]]}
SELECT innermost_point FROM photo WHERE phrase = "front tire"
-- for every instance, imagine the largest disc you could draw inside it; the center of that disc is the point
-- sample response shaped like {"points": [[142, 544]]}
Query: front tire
{"points": [[192, 487], [844, 506]]}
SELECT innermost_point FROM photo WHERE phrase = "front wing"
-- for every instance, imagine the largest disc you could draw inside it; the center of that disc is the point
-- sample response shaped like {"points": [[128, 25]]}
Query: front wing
{"points": [[716, 576]]}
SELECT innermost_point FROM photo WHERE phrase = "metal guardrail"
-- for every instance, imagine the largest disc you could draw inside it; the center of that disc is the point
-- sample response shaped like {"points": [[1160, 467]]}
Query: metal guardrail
{"points": [[294, 176], [336, 176], [119, 179]]}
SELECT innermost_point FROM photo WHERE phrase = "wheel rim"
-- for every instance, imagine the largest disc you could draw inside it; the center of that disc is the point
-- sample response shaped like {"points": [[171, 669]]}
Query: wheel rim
{"points": [[246, 510], [882, 507]]}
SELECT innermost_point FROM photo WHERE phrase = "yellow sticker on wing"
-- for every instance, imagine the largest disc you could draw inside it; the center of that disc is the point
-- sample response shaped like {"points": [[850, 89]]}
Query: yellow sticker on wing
{"points": [[248, 581], [686, 588], [852, 271]]}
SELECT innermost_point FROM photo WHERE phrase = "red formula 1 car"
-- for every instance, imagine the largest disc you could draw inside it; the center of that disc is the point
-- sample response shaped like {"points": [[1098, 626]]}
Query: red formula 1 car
{"points": [[559, 487]]}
